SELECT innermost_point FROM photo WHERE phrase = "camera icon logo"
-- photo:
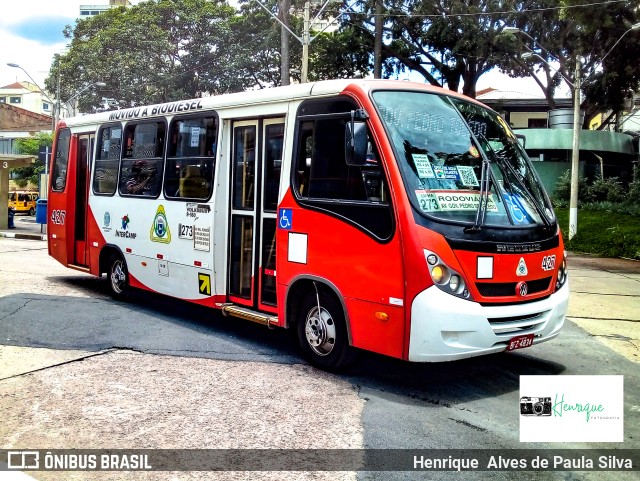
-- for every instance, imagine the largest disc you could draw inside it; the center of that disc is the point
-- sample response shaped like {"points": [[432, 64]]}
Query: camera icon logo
{"points": [[535, 406]]}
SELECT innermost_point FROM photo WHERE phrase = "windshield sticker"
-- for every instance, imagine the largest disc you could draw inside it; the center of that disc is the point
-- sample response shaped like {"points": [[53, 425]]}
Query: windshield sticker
{"points": [[452, 201], [468, 176], [423, 166], [518, 212], [474, 152], [446, 172], [427, 201]]}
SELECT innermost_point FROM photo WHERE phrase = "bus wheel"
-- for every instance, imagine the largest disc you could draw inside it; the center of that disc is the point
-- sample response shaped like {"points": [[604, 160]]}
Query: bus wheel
{"points": [[118, 277], [322, 332], [32, 211]]}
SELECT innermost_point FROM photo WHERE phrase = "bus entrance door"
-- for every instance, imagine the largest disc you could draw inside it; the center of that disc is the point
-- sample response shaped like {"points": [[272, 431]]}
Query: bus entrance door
{"points": [[255, 180], [84, 150]]}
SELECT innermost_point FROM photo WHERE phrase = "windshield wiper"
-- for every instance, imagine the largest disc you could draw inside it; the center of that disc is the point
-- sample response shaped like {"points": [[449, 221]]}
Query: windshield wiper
{"points": [[505, 163], [485, 178]]}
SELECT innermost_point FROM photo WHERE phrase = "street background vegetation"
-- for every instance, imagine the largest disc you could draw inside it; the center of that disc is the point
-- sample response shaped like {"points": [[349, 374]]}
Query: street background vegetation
{"points": [[608, 216], [165, 50]]}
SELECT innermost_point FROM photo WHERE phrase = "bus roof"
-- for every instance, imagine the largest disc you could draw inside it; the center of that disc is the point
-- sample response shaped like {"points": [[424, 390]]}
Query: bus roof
{"points": [[251, 97]]}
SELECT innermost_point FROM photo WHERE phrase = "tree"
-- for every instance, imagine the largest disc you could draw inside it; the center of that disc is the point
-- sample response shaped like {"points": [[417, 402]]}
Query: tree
{"points": [[568, 28], [157, 51], [338, 54], [31, 146], [341, 54], [449, 42]]}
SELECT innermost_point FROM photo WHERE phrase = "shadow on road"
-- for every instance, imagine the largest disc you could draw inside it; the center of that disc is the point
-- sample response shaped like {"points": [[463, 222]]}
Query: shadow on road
{"points": [[157, 324]]}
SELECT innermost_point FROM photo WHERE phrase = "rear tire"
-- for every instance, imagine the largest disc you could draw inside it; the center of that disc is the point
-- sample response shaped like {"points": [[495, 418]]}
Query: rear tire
{"points": [[322, 333], [118, 277]]}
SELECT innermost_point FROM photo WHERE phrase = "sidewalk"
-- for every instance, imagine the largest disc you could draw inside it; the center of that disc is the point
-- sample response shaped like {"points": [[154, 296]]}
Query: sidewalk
{"points": [[26, 228]]}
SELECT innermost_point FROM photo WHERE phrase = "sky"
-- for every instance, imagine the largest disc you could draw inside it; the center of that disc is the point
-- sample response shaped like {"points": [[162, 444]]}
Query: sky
{"points": [[31, 34]]}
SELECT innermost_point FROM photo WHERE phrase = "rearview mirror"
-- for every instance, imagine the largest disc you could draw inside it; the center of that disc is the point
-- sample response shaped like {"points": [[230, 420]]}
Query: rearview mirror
{"points": [[355, 139]]}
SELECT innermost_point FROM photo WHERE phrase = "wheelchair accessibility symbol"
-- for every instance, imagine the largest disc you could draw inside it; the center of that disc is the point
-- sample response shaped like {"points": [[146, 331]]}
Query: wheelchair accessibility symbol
{"points": [[285, 218]]}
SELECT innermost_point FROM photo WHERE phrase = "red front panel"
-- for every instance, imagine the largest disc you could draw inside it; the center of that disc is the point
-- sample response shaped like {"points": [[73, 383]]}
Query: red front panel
{"points": [[367, 273]]}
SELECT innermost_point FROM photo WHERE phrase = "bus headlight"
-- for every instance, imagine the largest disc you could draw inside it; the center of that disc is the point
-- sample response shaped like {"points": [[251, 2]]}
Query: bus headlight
{"points": [[444, 277], [562, 273]]}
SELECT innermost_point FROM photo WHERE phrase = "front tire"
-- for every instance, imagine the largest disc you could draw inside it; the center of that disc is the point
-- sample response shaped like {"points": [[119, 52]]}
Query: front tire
{"points": [[118, 277], [322, 332]]}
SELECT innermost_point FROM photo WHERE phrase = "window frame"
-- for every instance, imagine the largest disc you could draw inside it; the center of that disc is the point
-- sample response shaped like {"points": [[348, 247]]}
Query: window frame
{"points": [[131, 160], [375, 218], [96, 160], [56, 162], [212, 159]]}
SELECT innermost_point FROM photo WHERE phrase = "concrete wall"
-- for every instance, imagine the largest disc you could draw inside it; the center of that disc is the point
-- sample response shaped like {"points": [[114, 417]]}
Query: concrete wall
{"points": [[520, 120]]}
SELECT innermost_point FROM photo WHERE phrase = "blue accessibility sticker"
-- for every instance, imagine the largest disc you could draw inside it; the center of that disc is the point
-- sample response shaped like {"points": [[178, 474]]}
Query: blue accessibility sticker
{"points": [[285, 218]]}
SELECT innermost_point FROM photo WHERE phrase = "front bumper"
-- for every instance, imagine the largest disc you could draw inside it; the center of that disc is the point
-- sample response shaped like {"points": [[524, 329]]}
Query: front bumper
{"points": [[446, 328]]}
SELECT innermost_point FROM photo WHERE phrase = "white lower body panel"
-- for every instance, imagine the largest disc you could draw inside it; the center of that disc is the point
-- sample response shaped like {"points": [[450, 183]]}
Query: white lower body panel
{"points": [[446, 328]]}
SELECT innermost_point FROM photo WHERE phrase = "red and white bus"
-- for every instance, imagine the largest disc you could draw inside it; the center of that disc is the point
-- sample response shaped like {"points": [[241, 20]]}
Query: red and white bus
{"points": [[388, 216]]}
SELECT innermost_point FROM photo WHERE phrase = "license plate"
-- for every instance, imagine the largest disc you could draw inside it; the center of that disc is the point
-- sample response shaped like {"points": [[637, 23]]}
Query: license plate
{"points": [[520, 342]]}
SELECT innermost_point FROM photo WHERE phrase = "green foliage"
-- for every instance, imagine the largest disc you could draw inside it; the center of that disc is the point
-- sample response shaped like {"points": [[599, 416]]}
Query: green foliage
{"points": [[156, 51], [163, 50], [591, 32], [633, 192], [605, 190], [610, 190], [608, 217], [562, 193], [603, 232], [341, 54], [31, 146], [451, 42]]}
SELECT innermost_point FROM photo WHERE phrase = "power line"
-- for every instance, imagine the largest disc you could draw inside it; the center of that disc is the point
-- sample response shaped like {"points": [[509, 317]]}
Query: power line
{"points": [[497, 12]]}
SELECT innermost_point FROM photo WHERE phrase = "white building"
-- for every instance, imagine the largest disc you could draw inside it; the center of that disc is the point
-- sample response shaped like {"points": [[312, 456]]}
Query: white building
{"points": [[91, 10], [28, 96]]}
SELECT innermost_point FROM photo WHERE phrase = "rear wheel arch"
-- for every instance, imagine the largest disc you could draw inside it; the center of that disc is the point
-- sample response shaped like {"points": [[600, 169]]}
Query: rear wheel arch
{"points": [[301, 286], [105, 256], [317, 313]]}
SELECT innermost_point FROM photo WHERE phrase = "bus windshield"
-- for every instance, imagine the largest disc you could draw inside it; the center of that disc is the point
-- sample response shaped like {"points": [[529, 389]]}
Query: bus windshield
{"points": [[456, 155]]}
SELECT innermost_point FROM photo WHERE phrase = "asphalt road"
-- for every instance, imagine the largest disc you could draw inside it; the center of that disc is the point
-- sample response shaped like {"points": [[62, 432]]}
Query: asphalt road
{"points": [[242, 368]]}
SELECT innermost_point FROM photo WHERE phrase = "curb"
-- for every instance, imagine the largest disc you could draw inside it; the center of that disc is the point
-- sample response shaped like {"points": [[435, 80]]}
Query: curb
{"points": [[18, 235]]}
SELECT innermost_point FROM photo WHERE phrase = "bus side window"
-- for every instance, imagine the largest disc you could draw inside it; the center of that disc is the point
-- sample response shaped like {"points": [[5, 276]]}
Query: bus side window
{"points": [[105, 173], [303, 167], [322, 171], [142, 162], [191, 158], [321, 177], [60, 161]]}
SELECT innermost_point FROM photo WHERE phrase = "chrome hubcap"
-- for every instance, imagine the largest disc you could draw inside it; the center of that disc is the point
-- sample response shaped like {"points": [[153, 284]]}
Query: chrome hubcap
{"points": [[320, 331], [117, 276]]}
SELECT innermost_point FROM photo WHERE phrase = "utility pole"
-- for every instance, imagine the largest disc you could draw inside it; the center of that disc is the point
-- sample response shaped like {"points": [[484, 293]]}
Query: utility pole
{"points": [[284, 42], [305, 43], [306, 38], [575, 155], [56, 114], [377, 46]]}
